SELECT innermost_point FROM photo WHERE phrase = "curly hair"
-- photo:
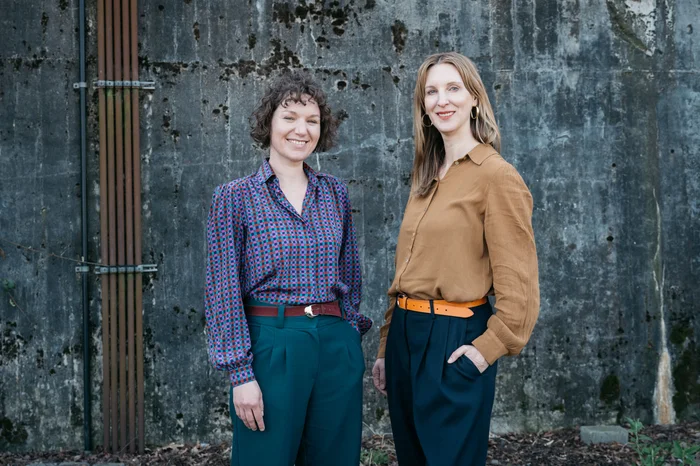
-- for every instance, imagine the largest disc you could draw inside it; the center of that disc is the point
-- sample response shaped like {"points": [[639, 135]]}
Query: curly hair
{"points": [[291, 87]]}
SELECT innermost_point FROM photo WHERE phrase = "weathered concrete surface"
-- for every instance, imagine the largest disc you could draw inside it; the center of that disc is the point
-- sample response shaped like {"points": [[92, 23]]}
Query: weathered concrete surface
{"points": [[604, 434], [76, 464], [598, 105]]}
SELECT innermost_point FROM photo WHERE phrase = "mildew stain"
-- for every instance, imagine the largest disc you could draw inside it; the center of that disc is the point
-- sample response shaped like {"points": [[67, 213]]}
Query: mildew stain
{"points": [[664, 412], [399, 33]]}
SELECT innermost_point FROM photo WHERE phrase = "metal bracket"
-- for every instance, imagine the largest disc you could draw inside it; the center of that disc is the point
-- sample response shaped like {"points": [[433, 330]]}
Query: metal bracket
{"points": [[104, 270], [79, 85], [143, 268], [146, 85]]}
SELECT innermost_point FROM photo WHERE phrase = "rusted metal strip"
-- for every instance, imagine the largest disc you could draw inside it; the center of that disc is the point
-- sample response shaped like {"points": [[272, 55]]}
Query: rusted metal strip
{"points": [[136, 152], [121, 247], [104, 223], [129, 191], [112, 207]]}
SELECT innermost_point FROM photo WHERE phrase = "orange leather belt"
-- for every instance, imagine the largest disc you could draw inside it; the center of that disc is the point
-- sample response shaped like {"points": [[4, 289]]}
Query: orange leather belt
{"points": [[441, 308]]}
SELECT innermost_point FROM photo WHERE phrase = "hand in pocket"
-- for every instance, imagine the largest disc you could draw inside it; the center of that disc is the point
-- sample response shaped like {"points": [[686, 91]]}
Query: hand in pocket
{"points": [[473, 354]]}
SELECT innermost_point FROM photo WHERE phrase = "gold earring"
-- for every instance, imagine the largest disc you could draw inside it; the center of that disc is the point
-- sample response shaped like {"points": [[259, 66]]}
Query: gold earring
{"points": [[471, 112], [423, 121]]}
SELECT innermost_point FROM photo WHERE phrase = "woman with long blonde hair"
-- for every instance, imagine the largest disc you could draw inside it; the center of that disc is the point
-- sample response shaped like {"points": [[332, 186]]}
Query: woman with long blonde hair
{"points": [[466, 234]]}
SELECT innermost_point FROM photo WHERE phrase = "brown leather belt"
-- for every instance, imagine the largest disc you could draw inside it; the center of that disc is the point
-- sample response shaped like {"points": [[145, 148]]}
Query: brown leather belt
{"points": [[310, 311], [441, 308]]}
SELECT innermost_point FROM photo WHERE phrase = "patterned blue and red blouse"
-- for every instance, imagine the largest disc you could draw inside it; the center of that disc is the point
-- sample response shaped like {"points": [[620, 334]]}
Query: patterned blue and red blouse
{"points": [[259, 247]]}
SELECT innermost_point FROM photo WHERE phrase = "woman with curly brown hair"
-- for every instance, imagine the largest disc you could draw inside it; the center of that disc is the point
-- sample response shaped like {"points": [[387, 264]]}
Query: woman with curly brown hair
{"points": [[466, 233], [283, 291]]}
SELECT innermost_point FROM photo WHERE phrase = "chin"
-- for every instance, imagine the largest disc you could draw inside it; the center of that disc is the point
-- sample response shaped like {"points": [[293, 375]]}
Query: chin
{"points": [[451, 127], [297, 157], [446, 129]]}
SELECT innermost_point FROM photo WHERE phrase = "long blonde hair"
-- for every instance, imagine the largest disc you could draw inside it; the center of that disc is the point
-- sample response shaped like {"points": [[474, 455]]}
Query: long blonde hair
{"points": [[430, 149]]}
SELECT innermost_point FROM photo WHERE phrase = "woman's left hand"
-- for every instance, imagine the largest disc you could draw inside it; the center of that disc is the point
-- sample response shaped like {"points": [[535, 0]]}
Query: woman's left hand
{"points": [[473, 354]]}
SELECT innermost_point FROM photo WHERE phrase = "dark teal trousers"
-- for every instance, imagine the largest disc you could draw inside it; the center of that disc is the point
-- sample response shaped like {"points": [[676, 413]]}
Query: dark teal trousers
{"points": [[440, 413], [310, 374]]}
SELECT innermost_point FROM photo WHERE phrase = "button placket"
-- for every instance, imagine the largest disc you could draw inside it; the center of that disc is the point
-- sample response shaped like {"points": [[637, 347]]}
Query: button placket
{"points": [[284, 202], [415, 231]]}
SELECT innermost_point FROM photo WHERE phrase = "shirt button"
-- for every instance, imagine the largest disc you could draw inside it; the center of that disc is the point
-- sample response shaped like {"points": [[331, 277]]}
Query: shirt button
{"points": [[457, 162], [407, 260]]}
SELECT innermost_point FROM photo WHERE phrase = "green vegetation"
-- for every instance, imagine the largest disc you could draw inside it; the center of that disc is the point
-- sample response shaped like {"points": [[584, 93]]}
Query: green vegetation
{"points": [[656, 454], [373, 458]]}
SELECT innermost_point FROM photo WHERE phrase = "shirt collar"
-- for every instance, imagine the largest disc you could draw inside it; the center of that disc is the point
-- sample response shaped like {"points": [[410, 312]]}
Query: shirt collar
{"points": [[481, 153], [265, 172], [477, 155], [312, 175]]}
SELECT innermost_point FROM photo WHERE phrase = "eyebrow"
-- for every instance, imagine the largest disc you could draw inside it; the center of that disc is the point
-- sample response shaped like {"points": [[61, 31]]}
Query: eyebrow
{"points": [[449, 84], [315, 115]]}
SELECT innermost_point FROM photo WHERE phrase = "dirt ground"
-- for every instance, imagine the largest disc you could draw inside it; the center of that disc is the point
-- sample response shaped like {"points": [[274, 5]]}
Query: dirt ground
{"points": [[561, 447]]}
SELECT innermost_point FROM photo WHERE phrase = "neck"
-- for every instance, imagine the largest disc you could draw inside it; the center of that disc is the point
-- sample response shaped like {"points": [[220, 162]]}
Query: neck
{"points": [[288, 172], [458, 144]]}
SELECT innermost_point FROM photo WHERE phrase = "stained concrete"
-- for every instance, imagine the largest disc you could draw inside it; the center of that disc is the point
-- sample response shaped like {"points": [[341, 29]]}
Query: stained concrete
{"points": [[597, 103], [604, 434]]}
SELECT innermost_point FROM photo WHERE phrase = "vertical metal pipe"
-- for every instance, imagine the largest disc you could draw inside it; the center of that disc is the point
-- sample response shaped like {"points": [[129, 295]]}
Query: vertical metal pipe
{"points": [[111, 188], [129, 191], [137, 222], [121, 250], [84, 233], [104, 224]]}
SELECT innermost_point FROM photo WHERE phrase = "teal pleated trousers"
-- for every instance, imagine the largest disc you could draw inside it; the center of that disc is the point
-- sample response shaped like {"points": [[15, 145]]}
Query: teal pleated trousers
{"points": [[310, 374]]}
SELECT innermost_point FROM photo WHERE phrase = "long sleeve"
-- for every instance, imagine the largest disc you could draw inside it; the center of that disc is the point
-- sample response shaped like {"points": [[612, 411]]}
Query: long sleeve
{"points": [[227, 329], [384, 330], [349, 269], [511, 246]]}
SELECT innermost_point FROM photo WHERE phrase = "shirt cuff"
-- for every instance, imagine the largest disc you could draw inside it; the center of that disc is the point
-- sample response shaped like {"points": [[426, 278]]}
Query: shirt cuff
{"points": [[241, 375], [490, 346], [360, 322]]}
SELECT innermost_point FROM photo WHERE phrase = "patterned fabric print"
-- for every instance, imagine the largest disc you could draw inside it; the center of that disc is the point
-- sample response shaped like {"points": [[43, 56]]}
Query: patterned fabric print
{"points": [[259, 247]]}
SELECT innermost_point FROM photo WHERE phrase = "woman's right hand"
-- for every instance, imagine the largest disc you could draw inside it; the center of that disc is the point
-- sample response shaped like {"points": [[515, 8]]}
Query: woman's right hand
{"points": [[248, 402], [379, 376]]}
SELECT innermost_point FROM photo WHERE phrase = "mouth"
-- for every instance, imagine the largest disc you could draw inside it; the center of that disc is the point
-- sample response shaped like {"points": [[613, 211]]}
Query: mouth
{"points": [[444, 115], [297, 142]]}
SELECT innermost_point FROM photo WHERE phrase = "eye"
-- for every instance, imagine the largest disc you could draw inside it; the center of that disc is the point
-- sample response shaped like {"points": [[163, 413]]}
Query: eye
{"points": [[313, 122], [454, 88], [288, 118], [430, 92]]}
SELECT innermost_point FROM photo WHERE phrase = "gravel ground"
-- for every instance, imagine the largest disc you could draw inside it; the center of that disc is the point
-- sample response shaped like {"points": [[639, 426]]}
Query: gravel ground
{"points": [[561, 447]]}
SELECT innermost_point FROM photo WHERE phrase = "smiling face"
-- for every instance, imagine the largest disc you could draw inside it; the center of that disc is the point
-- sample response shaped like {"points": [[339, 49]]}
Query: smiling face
{"points": [[295, 129], [447, 101]]}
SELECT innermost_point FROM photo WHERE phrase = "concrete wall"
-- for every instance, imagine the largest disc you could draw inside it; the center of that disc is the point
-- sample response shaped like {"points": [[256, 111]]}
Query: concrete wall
{"points": [[598, 105]]}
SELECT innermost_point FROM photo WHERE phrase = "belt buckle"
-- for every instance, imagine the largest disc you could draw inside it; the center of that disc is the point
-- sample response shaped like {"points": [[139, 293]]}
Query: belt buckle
{"points": [[309, 311]]}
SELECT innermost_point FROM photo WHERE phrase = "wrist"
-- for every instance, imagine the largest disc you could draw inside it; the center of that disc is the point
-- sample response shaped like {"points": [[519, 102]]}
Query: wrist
{"points": [[478, 359], [241, 375]]}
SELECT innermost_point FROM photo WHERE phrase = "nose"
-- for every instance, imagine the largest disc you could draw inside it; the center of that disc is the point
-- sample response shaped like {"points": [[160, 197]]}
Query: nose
{"points": [[442, 99], [300, 127]]}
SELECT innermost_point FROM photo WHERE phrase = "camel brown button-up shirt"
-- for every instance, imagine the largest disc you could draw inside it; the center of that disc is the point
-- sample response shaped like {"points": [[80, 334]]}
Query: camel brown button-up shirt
{"points": [[469, 237]]}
